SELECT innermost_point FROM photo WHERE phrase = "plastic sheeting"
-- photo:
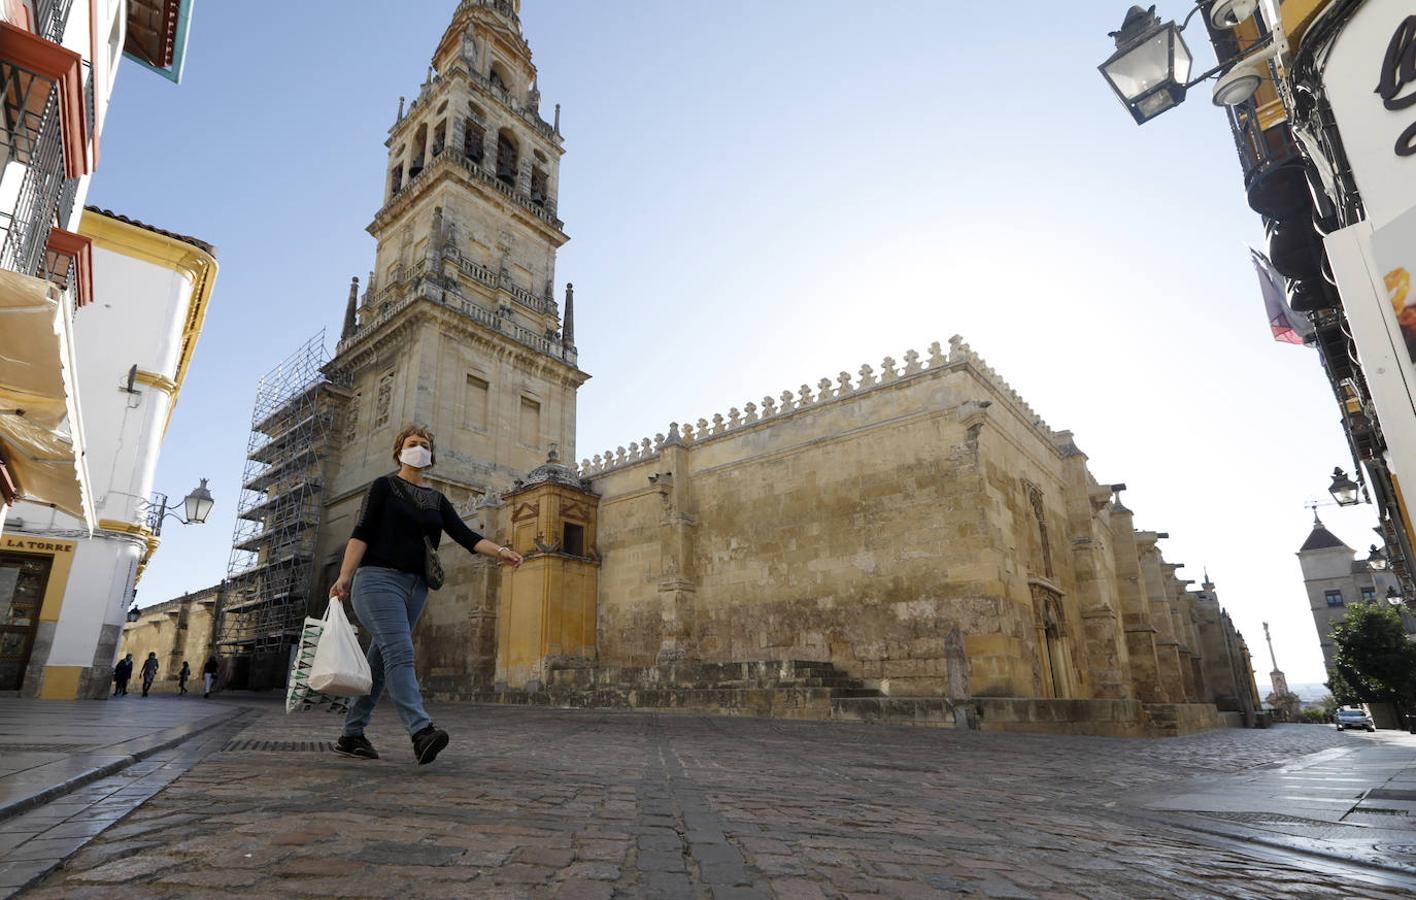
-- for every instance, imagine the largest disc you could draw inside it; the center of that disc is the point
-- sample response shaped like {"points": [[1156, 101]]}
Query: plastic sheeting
{"points": [[40, 423]]}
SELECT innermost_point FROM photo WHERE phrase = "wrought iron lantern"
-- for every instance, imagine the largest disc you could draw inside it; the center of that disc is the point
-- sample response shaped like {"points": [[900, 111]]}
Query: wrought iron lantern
{"points": [[1377, 559], [1151, 65], [199, 503], [1343, 489]]}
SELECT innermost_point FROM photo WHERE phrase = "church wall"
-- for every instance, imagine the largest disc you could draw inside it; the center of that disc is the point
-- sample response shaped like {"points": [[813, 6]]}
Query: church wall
{"points": [[869, 532]]}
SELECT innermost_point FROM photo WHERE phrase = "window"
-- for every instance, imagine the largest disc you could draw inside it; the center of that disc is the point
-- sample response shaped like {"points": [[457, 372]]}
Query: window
{"points": [[573, 541], [420, 146], [439, 138], [474, 406], [499, 78], [506, 158], [1334, 598], [396, 180], [538, 187], [530, 431], [383, 400], [474, 143], [1369, 595]]}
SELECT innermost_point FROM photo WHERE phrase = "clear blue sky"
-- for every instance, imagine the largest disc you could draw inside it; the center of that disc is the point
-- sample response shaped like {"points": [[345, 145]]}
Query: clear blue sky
{"points": [[762, 194]]}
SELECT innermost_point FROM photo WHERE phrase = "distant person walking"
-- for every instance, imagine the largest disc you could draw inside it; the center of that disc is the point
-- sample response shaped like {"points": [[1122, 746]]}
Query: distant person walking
{"points": [[121, 673], [149, 672], [385, 569], [182, 677], [208, 676]]}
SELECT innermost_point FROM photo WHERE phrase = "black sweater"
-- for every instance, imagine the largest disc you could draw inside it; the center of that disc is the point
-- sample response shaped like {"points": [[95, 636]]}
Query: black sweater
{"points": [[394, 530]]}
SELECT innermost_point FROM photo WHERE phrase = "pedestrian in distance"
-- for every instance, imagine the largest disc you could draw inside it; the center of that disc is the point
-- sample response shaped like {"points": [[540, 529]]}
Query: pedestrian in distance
{"points": [[388, 562], [208, 676], [121, 673], [149, 672], [182, 677]]}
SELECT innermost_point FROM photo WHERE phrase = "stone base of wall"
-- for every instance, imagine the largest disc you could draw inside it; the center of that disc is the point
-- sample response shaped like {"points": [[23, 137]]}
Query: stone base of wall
{"points": [[1174, 719], [793, 689], [1231, 720], [1102, 718]]}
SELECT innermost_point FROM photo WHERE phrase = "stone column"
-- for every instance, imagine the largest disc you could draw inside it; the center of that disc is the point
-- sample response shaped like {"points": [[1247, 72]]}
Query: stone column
{"points": [[1167, 648], [1143, 666], [1104, 642], [678, 584]]}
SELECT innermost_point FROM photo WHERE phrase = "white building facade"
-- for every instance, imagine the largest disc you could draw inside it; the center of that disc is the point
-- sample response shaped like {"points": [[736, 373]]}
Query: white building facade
{"points": [[135, 343]]}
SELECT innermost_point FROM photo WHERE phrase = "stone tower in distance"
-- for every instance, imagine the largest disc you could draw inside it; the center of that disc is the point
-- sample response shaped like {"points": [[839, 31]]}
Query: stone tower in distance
{"points": [[458, 327]]}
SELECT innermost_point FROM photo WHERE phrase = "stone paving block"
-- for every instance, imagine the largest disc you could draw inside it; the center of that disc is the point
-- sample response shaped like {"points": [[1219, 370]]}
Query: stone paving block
{"points": [[378, 853], [125, 870], [214, 878], [796, 889], [594, 871], [580, 889], [660, 861], [669, 843], [544, 856], [666, 886], [44, 847], [523, 874], [339, 887]]}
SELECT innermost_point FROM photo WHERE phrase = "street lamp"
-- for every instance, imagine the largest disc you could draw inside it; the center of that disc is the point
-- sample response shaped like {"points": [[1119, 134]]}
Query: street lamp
{"points": [[1393, 596], [1151, 64], [197, 505], [1377, 560], [1343, 489], [1150, 70], [133, 614]]}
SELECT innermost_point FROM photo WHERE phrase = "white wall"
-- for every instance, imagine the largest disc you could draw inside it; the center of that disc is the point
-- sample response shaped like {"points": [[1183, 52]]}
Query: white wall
{"points": [[136, 318]]}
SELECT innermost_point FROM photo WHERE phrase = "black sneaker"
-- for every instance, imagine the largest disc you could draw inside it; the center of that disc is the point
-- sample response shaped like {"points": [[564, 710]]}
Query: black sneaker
{"points": [[428, 743], [356, 746]]}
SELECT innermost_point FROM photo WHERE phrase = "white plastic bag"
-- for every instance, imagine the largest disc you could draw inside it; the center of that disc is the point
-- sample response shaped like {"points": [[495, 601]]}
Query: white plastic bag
{"points": [[339, 666]]}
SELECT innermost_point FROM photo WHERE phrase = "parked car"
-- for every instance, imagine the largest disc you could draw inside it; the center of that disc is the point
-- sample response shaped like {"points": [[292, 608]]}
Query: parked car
{"points": [[1353, 718]]}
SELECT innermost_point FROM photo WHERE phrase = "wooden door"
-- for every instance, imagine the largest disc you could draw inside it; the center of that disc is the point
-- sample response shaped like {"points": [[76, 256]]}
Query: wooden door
{"points": [[23, 578]]}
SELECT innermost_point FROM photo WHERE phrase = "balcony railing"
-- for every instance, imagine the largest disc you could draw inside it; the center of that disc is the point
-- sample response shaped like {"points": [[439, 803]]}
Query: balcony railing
{"points": [[51, 17], [449, 298], [34, 138]]}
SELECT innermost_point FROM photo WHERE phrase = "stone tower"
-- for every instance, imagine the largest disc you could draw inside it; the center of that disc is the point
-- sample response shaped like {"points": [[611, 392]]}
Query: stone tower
{"points": [[458, 327]]}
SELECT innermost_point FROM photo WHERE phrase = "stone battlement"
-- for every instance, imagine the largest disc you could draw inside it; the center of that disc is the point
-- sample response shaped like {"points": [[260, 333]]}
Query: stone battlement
{"points": [[788, 403]]}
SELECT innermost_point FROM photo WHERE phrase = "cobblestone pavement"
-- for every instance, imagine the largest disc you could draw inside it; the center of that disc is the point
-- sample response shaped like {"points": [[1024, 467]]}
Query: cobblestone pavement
{"points": [[590, 804]]}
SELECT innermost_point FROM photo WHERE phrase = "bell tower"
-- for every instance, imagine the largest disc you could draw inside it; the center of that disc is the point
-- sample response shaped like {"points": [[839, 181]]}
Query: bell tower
{"points": [[458, 326]]}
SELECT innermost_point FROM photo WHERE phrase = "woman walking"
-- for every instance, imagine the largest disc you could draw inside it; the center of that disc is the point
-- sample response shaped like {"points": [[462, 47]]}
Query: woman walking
{"points": [[149, 672], [182, 677], [385, 570]]}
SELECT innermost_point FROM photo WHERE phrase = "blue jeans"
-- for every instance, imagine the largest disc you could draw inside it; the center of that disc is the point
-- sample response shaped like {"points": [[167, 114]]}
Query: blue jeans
{"points": [[388, 603]]}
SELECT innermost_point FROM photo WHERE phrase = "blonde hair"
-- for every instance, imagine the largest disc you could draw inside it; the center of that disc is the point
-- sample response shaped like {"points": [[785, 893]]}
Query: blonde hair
{"points": [[407, 432]]}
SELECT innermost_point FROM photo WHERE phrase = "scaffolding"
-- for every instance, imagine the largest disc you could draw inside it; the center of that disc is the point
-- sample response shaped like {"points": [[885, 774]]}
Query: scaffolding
{"points": [[272, 567]]}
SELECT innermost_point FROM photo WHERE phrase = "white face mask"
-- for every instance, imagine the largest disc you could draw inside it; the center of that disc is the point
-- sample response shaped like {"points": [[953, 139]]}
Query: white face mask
{"points": [[417, 457]]}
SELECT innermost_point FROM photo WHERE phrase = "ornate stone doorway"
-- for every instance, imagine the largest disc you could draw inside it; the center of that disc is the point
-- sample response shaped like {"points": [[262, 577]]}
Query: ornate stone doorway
{"points": [[1054, 654]]}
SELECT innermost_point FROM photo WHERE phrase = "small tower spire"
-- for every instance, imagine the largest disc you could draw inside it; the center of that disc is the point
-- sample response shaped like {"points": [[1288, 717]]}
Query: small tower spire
{"points": [[351, 322], [400, 109], [1267, 637], [568, 328], [558, 118]]}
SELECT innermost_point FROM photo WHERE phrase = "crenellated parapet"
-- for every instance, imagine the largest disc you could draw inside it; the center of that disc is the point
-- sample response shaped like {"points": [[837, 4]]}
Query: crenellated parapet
{"points": [[827, 390]]}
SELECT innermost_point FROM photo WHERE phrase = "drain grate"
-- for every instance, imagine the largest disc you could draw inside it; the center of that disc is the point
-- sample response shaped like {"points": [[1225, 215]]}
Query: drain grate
{"points": [[45, 748], [279, 746], [1261, 818]]}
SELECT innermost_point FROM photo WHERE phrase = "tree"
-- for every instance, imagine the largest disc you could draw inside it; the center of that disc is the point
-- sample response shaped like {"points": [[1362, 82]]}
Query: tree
{"points": [[1374, 660]]}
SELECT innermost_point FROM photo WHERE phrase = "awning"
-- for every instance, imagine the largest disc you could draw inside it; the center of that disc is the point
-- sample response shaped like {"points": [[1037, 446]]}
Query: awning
{"points": [[40, 425]]}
